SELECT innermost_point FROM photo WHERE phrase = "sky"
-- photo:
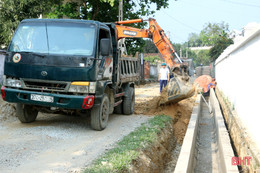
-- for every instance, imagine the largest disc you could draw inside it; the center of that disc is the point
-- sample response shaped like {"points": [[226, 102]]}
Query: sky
{"points": [[186, 16]]}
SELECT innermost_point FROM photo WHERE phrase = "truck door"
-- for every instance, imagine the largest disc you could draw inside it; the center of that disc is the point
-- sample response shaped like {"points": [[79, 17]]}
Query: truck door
{"points": [[106, 62]]}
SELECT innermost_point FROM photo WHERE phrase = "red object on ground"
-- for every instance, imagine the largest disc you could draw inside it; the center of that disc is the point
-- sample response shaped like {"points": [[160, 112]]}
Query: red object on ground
{"points": [[204, 81]]}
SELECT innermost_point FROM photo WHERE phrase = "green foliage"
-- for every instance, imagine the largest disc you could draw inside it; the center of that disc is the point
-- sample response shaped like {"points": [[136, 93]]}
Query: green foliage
{"points": [[221, 44], [213, 34], [13, 11], [152, 59], [61, 10], [209, 35], [194, 40], [104, 12], [149, 47], [203, 57], [119, 158]]}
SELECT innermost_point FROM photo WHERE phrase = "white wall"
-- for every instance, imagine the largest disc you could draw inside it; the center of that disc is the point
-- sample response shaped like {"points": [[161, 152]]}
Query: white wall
{"points": [[238, 77]]}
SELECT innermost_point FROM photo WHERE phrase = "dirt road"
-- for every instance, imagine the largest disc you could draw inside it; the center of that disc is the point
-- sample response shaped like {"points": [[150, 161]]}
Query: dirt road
{"points": [[58, 143], [62, 143]]}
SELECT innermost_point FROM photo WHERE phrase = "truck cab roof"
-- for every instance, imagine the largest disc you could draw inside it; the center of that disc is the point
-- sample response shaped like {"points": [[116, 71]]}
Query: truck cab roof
{"points": [[64, 21]]}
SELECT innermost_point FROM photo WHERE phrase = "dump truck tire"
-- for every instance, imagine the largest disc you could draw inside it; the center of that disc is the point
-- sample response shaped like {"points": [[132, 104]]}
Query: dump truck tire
{"points": [[129, 102], [100, 114], [26, 113]]}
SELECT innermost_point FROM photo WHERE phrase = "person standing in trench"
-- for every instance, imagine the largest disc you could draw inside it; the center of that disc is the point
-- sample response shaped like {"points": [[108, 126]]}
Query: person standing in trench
{"points": [[164, 76]]}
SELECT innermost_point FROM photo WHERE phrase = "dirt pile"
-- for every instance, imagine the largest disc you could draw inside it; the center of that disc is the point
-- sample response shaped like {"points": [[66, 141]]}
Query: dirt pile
{"points": [[7, 110]]}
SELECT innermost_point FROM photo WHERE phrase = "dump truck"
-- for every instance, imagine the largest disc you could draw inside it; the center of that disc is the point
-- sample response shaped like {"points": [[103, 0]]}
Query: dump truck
{"points": [[65, 65], [54, 65]]}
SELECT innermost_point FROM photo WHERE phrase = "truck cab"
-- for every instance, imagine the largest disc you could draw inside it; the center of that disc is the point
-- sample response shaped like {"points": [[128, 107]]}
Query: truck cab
{"points": [[55, 65]]}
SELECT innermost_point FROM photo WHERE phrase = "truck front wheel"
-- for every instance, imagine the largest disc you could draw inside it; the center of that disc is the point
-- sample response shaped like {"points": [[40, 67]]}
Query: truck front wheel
{"points": [[99, 115], [26, 113], [129, 102]]}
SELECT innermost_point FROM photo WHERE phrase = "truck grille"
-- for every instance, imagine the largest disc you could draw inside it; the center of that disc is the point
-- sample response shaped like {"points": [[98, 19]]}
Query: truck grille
{"points": [[45, 85]]}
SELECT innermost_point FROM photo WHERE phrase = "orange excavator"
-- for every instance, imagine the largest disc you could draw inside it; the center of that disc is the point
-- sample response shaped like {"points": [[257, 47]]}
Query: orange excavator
{"points": [[179, 87]]}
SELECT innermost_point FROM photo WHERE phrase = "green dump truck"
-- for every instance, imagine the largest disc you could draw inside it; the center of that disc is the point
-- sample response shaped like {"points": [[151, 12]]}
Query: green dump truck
{"points": [[54, 65]]}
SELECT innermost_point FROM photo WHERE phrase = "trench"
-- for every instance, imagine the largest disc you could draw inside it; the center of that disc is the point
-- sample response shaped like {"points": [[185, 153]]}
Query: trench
{"points": [[201, 141], [206, 149], [146, 104]]}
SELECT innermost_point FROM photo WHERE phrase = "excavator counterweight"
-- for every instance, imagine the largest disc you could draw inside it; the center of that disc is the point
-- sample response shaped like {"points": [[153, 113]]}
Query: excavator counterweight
{"points": [[179, 87]]}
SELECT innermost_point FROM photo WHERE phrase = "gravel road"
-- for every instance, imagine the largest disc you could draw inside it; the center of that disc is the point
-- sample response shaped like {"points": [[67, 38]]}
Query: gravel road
{"points": [[58, 143]]}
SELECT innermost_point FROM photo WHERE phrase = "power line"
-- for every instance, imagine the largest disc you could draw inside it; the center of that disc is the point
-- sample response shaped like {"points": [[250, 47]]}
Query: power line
{"points": [[184, 24]]}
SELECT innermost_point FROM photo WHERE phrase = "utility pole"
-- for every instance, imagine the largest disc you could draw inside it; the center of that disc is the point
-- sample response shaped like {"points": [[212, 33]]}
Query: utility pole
{"points": [[121, 42], [120, 15]]}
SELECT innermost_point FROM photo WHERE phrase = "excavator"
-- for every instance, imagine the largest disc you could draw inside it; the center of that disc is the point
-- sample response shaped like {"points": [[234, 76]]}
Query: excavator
{"points": [[179, 87]]}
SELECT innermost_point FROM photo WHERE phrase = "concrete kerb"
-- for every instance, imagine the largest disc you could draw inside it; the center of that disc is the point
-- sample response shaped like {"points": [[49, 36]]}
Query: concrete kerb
{"points": [[225, 150], [186, 157], [185, 160]]}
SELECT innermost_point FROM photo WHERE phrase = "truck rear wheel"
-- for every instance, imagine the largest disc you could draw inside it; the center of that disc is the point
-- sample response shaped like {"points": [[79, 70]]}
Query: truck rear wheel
{"points": [[129, 102], [26, 113], [100, 114]]}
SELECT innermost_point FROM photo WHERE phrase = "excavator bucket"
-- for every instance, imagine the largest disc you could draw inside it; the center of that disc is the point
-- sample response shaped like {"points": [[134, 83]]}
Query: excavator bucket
{"points": [[177, 89]]}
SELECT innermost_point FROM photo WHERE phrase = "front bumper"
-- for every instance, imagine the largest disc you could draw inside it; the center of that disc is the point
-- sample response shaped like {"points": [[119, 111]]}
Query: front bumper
{"points": [[59, 100]]}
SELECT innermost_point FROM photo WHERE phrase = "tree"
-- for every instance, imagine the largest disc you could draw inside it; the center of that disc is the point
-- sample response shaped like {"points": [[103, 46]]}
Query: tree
{"points": [[221, 44], [194, 40], [105, 12], [149, 47], [211, 33], [13, 11]]}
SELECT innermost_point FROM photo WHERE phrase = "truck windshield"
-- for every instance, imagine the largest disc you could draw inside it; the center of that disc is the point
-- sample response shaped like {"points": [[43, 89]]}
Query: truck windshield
{"points": [[54, 38]]}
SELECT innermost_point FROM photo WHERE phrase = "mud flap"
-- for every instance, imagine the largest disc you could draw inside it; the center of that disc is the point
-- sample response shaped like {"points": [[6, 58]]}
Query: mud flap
{"points": [[176, 90]]}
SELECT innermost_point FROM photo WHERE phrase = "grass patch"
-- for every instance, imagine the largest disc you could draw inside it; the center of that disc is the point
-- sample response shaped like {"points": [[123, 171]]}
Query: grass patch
{"points": [[119, 158]]}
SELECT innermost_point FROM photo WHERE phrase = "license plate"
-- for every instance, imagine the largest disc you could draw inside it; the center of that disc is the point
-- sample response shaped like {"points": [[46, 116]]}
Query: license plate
{"points": [[42, 98]]}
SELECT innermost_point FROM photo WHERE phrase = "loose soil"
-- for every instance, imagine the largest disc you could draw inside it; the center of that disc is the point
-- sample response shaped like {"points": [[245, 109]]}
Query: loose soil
{"points": [[146, 103]]}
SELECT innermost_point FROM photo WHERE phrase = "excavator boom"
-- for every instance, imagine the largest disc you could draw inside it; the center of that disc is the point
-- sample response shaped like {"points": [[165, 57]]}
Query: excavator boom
{"points": [[155, 32]]}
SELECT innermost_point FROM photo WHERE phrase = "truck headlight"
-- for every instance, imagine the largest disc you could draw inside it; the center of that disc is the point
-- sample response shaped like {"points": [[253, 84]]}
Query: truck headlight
{"points": [[79, 87], [12, 83], [83, 87]]}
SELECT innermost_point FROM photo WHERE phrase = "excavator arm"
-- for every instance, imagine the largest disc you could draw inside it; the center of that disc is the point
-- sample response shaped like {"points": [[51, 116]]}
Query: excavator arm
{"points": [[179, 87], [155, 32]]}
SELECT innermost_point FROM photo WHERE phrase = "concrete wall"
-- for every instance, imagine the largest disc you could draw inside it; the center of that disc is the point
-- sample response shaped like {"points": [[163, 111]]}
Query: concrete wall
{"points": [[237, 75], [153, 71], [1, 67]]}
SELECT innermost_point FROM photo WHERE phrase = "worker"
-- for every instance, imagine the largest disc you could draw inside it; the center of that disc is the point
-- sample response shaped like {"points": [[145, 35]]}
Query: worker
{"points": [[212, 84], [164, 76]]}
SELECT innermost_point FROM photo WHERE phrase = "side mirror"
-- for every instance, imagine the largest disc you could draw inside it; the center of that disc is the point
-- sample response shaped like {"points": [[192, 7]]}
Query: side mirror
{"points": [[2, 52], [105, 46]]}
